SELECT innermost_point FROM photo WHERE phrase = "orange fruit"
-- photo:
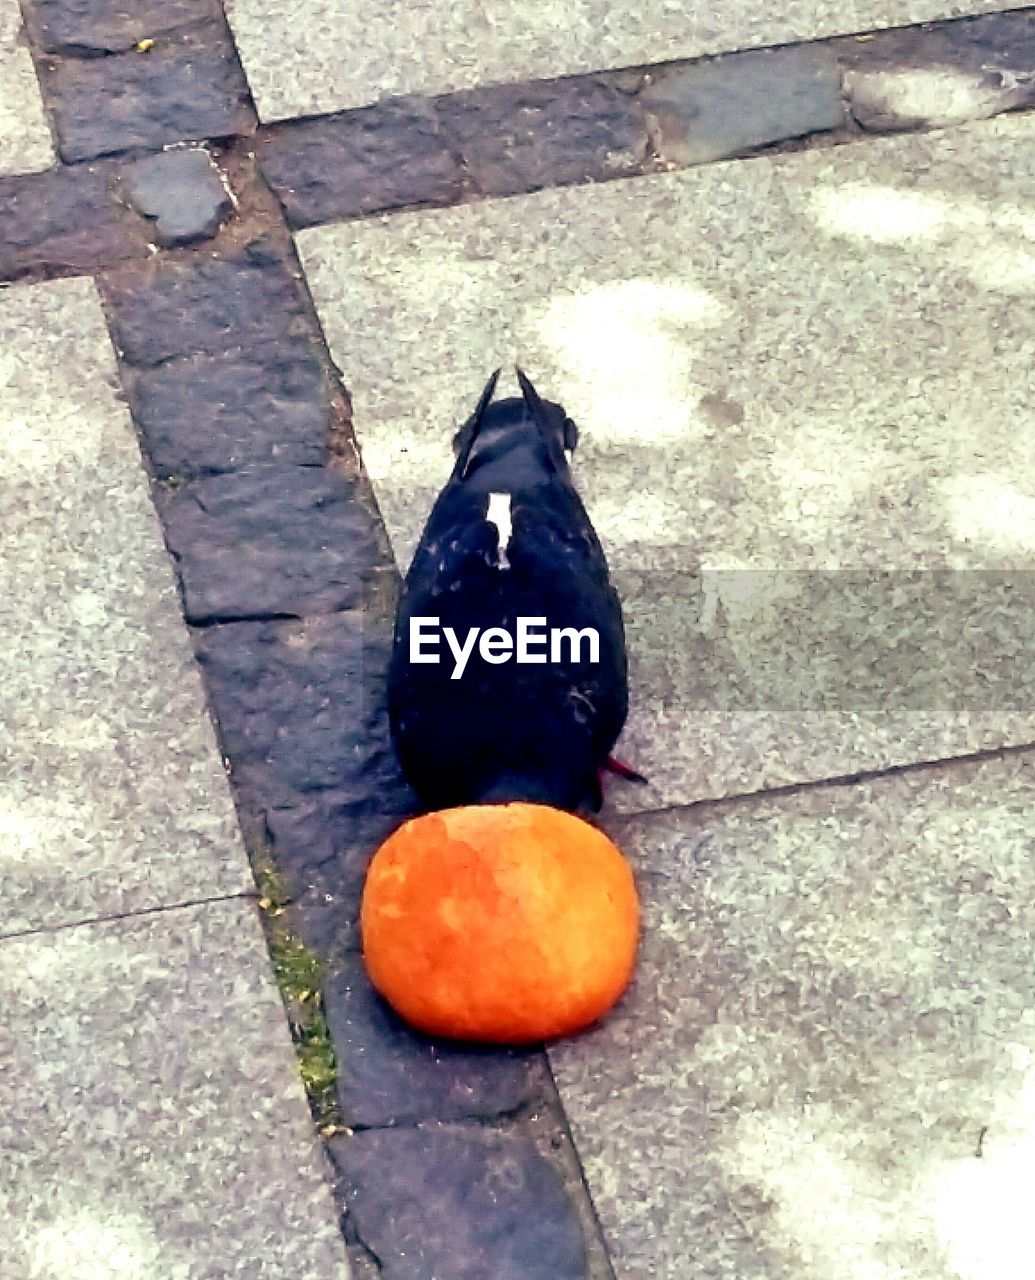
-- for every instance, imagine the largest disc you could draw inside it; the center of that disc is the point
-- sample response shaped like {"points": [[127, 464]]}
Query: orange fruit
{"points": [[502, 923]]}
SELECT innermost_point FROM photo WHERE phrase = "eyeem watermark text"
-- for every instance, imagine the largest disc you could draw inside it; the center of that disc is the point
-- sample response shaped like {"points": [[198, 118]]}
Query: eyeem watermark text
{"points": [[534, 640]]}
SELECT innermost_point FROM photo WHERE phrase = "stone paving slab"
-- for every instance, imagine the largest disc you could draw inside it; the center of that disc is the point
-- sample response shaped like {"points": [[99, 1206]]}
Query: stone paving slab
{"points": [[66, 221], [825, 1065], [25, 142], [155, 1124], [313, 56], [184, 88], [112, 794], [445, 1202], [784, 370]]}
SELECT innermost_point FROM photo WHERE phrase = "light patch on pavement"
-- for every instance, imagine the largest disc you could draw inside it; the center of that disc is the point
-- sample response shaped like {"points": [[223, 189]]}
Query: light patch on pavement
{"points": [[308, 56], [643, 324], [76, 1245], [25, 142], [878, 213], [981, 1207], [991, 510]]}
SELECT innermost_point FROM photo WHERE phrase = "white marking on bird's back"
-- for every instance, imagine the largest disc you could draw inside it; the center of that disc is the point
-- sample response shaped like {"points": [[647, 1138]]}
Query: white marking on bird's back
{"points": [[498, 513]]}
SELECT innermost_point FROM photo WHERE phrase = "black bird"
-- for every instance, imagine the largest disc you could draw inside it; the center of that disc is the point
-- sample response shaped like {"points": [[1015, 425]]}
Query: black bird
{"points": [[509, 539]]}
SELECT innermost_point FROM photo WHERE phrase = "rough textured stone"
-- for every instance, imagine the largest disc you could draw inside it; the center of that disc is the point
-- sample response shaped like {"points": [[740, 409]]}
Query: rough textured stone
{"points": [[271, 541], [459, 1204], [712, 331], [295, 52], [207, 306], [325, 908], [112, 794], [181, 190], [304, 701], [302, 716], [709, 110], [154, 1120], [203, 415], [520, 137], [823, 1067], [65, 220], [187, 90], [93, 27], [378, 158], [932, 78], [387, 1074]]}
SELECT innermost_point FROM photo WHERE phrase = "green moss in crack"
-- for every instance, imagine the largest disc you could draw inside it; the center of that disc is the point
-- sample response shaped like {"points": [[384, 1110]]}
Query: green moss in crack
{"points": [[299, 975]]}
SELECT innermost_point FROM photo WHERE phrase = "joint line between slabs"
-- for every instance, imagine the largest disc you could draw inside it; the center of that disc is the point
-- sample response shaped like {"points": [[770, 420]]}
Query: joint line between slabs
{"points": [[128, 915]]}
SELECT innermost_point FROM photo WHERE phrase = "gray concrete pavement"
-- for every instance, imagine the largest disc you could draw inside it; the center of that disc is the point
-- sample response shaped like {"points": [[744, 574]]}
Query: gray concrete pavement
{"points": [[153, 1124], [113, 796], [824, 1068], [25, 144]]}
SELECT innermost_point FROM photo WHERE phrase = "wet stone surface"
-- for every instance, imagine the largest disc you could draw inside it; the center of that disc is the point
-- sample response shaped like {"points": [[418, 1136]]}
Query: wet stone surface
{"points": [[188, 89], [65, 220], [520, 137], [208, 414], [90, 28], [182, 191], [379, 157], [211, 305], [388, 1074], [706, 111], [459, 1203], [271, 541]]}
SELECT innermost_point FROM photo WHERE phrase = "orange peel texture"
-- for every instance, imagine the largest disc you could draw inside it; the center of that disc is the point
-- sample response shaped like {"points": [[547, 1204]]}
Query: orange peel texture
{"points": [[507, 924]]}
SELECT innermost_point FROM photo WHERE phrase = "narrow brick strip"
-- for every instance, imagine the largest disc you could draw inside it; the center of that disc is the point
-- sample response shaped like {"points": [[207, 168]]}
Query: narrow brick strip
{"points": [[287, 576], [92, 28], [66, 221], [501, 140], [507, 139]]}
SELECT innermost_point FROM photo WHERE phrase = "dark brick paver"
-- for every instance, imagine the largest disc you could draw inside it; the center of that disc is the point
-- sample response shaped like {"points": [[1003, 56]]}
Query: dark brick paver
{"points": [[90, 28], [710, 110], [183, 89], [388, 1075], [66, 221], [212, 413], [517, 138], [270, 541], [460, 1202], [360, 162], [181, 190]]}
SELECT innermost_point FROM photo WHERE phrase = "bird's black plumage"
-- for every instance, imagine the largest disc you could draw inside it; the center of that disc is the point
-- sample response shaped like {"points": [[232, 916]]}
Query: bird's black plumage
{"points": [[509, 538]]}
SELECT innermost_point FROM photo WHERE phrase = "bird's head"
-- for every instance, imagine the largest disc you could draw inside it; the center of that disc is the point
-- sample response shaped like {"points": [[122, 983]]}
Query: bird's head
{"points": [[504, 431]]}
